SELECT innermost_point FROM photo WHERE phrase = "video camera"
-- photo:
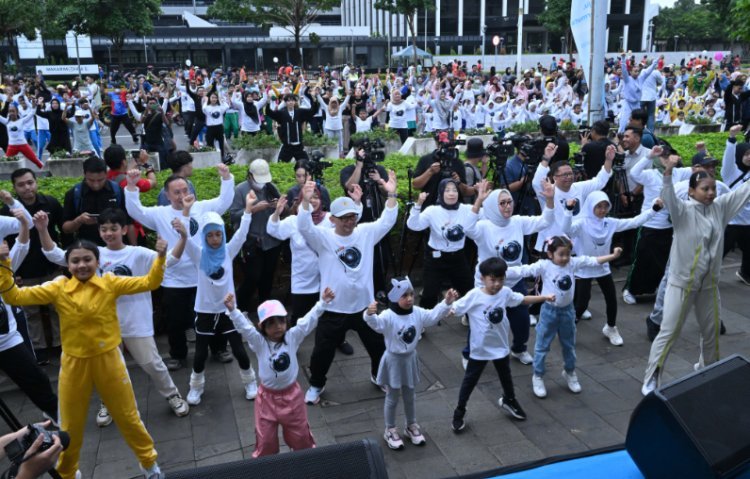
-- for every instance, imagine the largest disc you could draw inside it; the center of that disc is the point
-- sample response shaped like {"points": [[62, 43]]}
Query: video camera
{"points": [[374, 152], [447, 153], [500, 150], [315, 165], [619, 161], [16, 450]]}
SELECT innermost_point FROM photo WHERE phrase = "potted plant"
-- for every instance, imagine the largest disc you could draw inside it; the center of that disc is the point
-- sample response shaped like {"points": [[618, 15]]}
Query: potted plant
{"points": [[205, 156], [250, 147], [62, 163], [526, 127], [569, 130], [9, 164]]}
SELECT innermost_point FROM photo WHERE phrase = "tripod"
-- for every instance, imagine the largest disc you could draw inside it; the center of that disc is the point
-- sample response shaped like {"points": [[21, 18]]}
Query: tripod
{"points": [[619, 186], [405, 231], [372, 202], [14, 424]]}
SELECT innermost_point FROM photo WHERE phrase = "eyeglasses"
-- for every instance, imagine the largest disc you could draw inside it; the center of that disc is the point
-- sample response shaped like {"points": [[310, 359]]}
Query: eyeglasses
{"points": [[564, 175], [505, 203]]}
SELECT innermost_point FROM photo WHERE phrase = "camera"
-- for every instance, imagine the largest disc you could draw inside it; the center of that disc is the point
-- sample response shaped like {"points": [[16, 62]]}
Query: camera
{"points": [[500, 150], [374, 151], [619, 161], [15, 450], [315, 165]]}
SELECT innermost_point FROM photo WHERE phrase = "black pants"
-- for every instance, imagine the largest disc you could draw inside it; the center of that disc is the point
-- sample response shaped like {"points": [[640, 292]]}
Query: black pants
{"points": [[316, 125], [582, 296], [188, 118], [474, 371], [259, 268], [20, 366], [215, 133], [651, 255], [739, 235], [452, 268], [115, 125], [288, 152], [331, 331], [177, 305], [198, 126], [222, 327], [403, 134], [302, 304]]}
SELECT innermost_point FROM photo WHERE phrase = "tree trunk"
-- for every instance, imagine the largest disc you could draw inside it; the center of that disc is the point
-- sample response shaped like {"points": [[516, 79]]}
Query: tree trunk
{"points": [[298, 45], [412, 28], [13, 50]]}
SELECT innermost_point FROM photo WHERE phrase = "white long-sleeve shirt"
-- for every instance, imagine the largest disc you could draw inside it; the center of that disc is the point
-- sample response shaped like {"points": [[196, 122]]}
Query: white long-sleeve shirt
{"points": [[447, 227], [557, 280], [403, 332]]}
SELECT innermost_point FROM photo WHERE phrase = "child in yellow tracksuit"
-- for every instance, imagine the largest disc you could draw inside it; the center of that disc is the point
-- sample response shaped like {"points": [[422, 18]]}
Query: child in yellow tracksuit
{"points": [[90, 335]]}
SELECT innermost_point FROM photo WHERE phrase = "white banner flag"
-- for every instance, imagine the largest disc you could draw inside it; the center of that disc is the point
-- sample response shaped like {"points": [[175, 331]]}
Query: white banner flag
{"points": [[580, 25]]}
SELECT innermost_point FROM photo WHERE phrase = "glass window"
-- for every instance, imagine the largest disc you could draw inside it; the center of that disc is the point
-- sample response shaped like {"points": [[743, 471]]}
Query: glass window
{"points": [[617, 6]]}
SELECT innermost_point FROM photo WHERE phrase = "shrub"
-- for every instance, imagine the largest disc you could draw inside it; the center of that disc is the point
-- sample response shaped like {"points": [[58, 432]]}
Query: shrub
{"points": [[525, 127], [377, 134], [318, 141], [249, 142], [699, 120]]}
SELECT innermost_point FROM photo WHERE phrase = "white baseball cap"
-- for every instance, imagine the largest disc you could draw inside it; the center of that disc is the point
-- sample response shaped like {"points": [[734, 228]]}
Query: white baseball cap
{"points": [[260, 170], [343, 206]]}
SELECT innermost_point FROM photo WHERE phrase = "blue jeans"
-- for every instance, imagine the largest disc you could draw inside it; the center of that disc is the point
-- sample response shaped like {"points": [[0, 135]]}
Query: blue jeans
{"points": [[554, 321], [650, 107], [43, 137]]}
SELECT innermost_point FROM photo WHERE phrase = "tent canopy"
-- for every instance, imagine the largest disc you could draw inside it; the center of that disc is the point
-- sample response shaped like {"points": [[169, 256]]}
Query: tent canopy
{"points": [[408, 52]]}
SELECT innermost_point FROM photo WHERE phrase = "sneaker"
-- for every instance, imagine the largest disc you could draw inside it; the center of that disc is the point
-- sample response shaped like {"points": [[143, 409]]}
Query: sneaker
{"points": [[697, 366], [532, 320], [524, 357], [153, 472], [722, 328], [415, 435], [458, 423], [612, 334], [223, 357], [178, 405], [464, 362], [742, 277], [586, 315], [652, 329], [196, 391], [173, 364], [312, 396], [103, 419], [649, 386], [346, 348], [572, 379], [393, 439], [251, 390], [190, 335], [78, 473], [512, 406], [537, 384], [374, 381], [465, 320], [627, 297]]}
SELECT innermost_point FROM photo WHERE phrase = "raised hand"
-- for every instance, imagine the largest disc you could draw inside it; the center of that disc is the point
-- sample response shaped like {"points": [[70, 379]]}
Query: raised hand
{"points": [[41, 220], [6, 197], [422, 197], [328, 295], [450, 296], [280, 205], [548, 188], [617, 252], [390, 185], [372, 309], [223, 171], [250, 199], [734, 130], [20, 215], [179, 227], [133, 177], [483, 190], [188, 201], [308, 190], [657, 151], [549, 151]]}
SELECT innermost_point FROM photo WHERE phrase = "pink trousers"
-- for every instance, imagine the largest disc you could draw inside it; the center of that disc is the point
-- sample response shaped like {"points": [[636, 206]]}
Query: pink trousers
{"points": [[285, 407]]}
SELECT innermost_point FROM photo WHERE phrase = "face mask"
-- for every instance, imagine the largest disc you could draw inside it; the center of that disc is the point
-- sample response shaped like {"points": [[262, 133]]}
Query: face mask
{"points": [[154, 107]]}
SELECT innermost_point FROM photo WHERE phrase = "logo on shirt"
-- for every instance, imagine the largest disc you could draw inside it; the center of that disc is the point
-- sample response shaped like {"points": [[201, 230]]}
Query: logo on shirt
{"points": [[280, 362], [193, 227], [117, 269], [564, 283], [576, 208], [218, 274], [511, 251], [351, 257], [399, 113], [408, 335], [14, 128], [494, 315], [454, 233], [215, 114]]}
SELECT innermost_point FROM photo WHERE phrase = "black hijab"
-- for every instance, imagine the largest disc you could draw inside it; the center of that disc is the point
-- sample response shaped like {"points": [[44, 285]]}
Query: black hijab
{"points": [[441, 191]]}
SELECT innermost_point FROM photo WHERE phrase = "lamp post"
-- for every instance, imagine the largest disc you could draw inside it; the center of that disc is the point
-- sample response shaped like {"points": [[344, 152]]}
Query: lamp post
{"points": [[562, 44], [496, 42], [436, 44], [676, 38], [622, 44], [352, 31], [484, 33]]}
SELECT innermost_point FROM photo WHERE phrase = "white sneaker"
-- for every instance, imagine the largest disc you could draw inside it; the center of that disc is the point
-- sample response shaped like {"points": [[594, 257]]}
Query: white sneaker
{"points": [[532, 320], [374, 381], [103, 419], [524, 357], [572, 379], [152, 472], [178, 405], [79, 475], [415, 434], [194, 396], [251, 390], [464, 362], [649, 386], [197, 386], [393, 439], [465, 320], [586, 315], [190, 335], [312, 396], [613, 334], [537, 384], [627, 297]]}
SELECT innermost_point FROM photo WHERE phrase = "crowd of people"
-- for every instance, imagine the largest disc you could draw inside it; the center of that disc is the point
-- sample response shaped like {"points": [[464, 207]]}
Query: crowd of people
{"points": [[542, 218]]}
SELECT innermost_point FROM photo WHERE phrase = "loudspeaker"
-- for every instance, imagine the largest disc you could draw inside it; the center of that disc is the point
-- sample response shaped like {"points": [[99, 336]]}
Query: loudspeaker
{"points": [[361, 459], [695, 427]]}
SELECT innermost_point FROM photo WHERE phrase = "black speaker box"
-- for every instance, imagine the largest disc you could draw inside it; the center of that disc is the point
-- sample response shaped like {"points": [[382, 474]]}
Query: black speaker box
{"points": [[361, 460], [695, 427]]}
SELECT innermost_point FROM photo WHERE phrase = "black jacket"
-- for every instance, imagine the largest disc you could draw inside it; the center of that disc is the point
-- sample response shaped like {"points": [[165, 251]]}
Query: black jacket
{"points": [[290, 129]]}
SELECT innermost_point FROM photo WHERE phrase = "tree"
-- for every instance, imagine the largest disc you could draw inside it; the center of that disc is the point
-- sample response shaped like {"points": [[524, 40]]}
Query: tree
{"points": [[694, 23], [409, 9], [740, 27], [291, 15], [556, 19], [19, 18], [111, 19]]}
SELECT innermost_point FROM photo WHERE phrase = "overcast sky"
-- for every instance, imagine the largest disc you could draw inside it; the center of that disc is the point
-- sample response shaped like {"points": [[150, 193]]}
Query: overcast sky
{"points": [[664, 3]]}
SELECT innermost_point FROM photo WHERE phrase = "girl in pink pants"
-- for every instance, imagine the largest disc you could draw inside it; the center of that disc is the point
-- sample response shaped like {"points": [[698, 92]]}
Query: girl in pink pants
{"points": [[280, 400]]}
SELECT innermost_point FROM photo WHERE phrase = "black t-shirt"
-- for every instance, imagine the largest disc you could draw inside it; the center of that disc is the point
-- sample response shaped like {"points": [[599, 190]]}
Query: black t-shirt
{"points": [[594, 156], [431, 186], [367, 201], [92, 202], [563, 150]]}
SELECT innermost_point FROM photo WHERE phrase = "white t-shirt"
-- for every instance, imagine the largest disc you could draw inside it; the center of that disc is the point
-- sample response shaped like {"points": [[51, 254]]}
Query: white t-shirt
{"points": [[16, 128], [447, 227], [557, 280], [277, 362], [215, 113], [346, 261], [397, 118], [363, 125], [403, 332], [488, 323]]}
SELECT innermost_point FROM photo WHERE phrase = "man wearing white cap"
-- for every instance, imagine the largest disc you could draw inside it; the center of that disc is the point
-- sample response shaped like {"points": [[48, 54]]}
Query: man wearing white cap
{"points": [[346, 261], [260, 253]]}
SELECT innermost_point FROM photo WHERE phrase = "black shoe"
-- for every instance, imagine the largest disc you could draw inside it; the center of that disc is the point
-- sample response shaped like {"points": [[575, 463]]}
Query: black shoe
{"points": [[223, 357], [458, 420], [346, 348], [513, 408], [722, 328], [652, 329]]}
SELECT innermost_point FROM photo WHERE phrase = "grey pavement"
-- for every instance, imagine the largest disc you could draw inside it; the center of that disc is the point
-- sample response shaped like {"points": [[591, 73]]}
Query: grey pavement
{"points": [[220, 429]]}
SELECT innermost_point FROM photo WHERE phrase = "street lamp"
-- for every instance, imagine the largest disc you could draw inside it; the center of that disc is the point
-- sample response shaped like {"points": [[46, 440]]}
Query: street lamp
{"points": [[484, 33], [496, 42], [622, 44], [436, 44], [562, 44], [676, 38], [352, 30]]}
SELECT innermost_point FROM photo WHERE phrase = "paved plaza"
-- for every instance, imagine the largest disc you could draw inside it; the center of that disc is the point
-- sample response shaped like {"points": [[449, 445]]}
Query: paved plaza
{"points": [[220, 429]]}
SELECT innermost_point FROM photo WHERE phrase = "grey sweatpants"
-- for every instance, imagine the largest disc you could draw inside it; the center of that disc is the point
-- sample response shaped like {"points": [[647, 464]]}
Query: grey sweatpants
{"points": [[391, 402]]}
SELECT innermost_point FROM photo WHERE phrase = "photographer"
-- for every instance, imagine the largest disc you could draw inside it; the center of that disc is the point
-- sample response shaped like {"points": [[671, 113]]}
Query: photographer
{"points": [[360, 173], [517, 174], [475, 172], [302, 175], [548, 128], [594, 147], [440, 164], [36, 462]]}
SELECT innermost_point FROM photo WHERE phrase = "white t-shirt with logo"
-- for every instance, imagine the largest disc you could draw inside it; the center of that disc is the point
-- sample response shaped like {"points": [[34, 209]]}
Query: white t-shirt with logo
{"points": [[447, 227], [403, 332], [557, 280]]}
